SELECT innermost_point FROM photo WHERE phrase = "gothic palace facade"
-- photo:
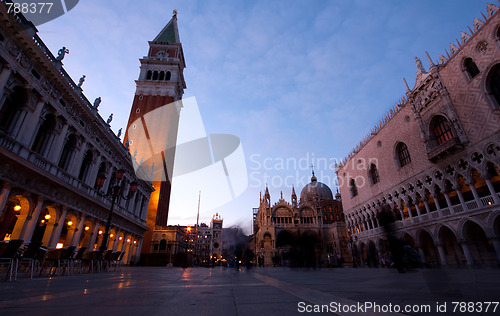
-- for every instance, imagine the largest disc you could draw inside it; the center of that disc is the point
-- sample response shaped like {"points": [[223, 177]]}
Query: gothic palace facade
{"points": [[433, 161], [56, 151]]}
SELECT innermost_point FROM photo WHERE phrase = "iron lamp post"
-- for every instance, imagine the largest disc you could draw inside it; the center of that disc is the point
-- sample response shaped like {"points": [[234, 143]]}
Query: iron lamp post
{"points": [[116, 193]]}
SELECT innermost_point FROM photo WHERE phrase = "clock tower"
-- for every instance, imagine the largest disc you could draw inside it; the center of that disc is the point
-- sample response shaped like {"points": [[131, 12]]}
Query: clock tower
{"points": [[154, 118]]}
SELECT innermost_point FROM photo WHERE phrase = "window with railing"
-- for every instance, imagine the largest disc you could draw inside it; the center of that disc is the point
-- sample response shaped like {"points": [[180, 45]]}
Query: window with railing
{"points": [[441, 129]]}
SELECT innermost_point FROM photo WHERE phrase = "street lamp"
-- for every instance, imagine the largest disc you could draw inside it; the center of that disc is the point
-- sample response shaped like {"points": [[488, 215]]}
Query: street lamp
{"points": [[116, 194]]}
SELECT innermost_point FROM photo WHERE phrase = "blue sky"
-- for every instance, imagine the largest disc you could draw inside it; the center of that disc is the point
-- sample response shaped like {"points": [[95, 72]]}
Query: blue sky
{"points": [[292, 79]]}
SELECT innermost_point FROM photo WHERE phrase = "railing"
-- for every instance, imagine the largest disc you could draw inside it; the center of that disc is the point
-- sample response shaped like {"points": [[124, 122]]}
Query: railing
{"points": [[487, 200], [15, 147], [6, 143], [459, 208], [471, 205]]}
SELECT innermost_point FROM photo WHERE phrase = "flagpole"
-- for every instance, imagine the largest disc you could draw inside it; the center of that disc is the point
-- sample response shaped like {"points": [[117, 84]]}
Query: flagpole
{"points": [[197, 222]]}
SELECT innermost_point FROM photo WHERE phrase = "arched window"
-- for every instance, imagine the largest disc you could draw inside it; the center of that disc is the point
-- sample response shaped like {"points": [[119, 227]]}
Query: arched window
{"points": [[162, 75], [45, 135], [155, 75], [163, 245], [403, 155], [101, 172], [68, 151], [353, 188], [10, 111], [441, 129], [493, 84], [470, 67], [86, 164], [149, 75], [168, 75], [374, 174]]}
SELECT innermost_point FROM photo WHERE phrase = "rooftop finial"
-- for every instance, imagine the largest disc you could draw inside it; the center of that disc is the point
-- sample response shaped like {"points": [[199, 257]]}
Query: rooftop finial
{"points": [[420, 67], [406, 84], [174, 13], [431, 63]]}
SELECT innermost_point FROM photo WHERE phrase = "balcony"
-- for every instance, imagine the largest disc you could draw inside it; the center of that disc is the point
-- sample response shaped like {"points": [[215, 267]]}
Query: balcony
{"points": [[40, 165], [441, 150]]}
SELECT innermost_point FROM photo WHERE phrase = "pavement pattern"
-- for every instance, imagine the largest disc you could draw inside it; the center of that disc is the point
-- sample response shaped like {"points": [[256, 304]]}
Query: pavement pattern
{"points": [[259, 291]]}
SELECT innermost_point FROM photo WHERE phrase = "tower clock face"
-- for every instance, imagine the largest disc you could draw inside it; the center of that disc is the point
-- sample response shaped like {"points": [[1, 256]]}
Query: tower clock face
{"points": [[216, 245]]}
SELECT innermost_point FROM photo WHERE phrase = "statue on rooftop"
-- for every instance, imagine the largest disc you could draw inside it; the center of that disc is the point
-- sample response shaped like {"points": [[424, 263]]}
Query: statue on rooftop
{"points": [[119, 133], [80, 82], [60, 54], [110, 118], [97, 101]]}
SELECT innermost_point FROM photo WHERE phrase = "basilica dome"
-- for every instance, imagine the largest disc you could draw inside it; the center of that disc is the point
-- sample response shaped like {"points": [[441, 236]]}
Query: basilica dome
{"points": [[315, 190]]}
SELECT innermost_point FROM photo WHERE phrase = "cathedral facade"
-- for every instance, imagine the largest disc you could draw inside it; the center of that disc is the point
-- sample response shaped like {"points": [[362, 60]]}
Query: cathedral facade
{"points": [[306, 232], [432, 164], [59, 160]]}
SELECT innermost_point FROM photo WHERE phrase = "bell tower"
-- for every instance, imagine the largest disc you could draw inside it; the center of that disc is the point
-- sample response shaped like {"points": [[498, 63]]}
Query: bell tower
{"points": [[154, 119]]}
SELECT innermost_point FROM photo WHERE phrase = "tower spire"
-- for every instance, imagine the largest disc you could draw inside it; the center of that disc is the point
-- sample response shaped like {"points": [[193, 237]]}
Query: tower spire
{"points": [[170, 33]]}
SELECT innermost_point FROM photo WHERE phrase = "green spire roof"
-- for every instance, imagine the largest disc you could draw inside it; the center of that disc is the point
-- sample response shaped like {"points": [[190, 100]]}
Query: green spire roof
{"points": [[169, 34]]}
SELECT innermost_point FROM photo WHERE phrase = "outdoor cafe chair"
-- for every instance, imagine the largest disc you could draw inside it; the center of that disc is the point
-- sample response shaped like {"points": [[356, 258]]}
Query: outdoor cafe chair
{"points": [[9, 257]]}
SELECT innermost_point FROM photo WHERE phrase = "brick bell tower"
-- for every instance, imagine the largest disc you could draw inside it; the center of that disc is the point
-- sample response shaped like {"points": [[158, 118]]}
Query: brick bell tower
{"points": [[154, 119]]}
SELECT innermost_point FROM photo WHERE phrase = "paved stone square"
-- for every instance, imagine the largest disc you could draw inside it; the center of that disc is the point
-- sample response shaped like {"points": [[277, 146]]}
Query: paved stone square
{"points": [[260, 291]]}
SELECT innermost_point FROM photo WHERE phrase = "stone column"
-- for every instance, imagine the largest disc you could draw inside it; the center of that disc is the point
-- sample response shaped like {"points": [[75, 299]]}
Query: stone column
{"points": [[55, 152], [111, 242], [4, 77], [109, 173], [427, 209], [138, 250], [127, 250], [31, 124], [20, 117], [92, 173], [18, 228], [422, 254], [93, 237], [438, 207], [448, 201], [49, 229], [476, 196], [467, 253], [115, 242], [29, 227], [69, 235], [409, 211], [418, 209], [47, 144], [78, 232], [493, 193], [462, 200], [4, 196], [496, 245], [77, 162], [54, 239], [442, 254]]}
